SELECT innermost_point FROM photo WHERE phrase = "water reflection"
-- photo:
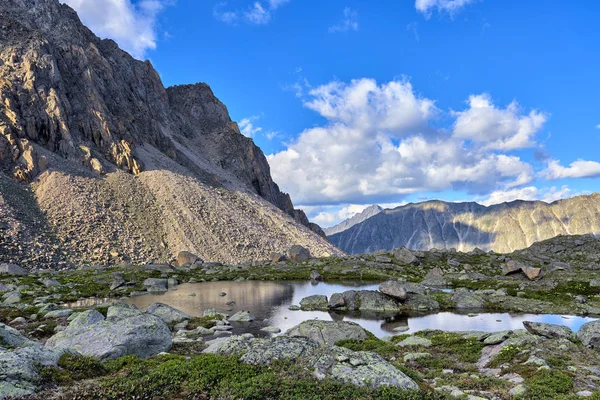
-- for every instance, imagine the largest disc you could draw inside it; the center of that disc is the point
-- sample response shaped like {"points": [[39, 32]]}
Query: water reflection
{"points": [[269, 302]]}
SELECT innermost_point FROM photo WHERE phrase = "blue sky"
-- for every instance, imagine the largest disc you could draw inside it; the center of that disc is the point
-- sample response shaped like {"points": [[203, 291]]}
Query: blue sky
{"points": [[387, 102]]}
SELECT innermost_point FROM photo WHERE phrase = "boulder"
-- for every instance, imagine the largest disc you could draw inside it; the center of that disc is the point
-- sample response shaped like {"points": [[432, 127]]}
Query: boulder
{"points": [[415, 341], [59, 314], [185, 258], [277, 257], [510, 267], [281, 348], [13, 338], [241, 316], [125, 331], [419, 302], [12, 298], [531, 272], [314, 302], [328, 332], [167, 313], [155, 283], [336, 301], [435, 277], [315, 275], [369, 300], [298, 253], [550, 331], [464, 299], [88, 317], [595, 282], [12, 269], [394, 289], [50, 283], [405, 257], [589, 334]]}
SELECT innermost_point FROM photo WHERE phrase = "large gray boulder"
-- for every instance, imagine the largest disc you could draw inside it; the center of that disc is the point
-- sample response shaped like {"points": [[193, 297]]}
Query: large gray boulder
{"points": [[360, 368], [298, 253], [405, 256], [167, 313], [464, 299], [12, 269], [280, 348], [13, 338], [394, 289], [125, 331], [242, 316], [589, 334], [369, 300], [12, 298], [551, 331], [328, 332], [314, 302]]}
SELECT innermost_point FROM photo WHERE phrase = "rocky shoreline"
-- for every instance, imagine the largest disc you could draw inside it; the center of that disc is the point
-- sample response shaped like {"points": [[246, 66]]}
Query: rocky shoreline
{"points": [[51, 350]]}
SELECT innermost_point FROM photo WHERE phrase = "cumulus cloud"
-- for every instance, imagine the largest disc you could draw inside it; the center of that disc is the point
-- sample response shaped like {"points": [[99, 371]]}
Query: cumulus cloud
{"points": [[426, 7], [577, 169], [528, 193], [378, 146], [497, 128], [349, 22], [257, 13], [131, 25]]}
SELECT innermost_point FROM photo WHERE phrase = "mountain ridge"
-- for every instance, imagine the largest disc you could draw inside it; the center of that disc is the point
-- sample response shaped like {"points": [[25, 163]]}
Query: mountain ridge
{"points": [[353, 220]]}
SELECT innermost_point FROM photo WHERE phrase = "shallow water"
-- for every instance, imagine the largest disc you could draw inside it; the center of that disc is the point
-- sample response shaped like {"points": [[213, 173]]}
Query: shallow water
{"points": [[269, 301]]}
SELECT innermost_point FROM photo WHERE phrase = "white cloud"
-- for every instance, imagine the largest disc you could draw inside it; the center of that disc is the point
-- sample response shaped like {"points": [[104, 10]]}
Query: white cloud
{"points": [[577, 169], [378, 145], [131, 25], [349, 21], [247, 127], [528, 193], [598, 126], [496, 128], [450, 6], [257, 13]]}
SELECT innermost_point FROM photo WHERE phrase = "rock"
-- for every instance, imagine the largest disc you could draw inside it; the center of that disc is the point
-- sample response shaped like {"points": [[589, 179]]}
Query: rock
{"points": [[497, 338], [125, 331], [580, 299], [510, 267], [435, 277], [231, 346], [185, 258], [328, 332], [336, 301], [156, 283], [281, 348], [18, 321], [518, 391], [222, 294], [167, 313], [48, 307], [532, 272], [394, 289], [12, 269], [419, 302], [277, 257], [294, 307], [383, 259], [584, 393], [58, 314], [88, 317], [595, 282], [589, 334], [550, 331], [13, 338], [12, 298], [405, 257], [415, 356], [453, 263], [298, 253], [360, 368], [50, 283], [271, 329], [315, 275], [369, 300], [415, 341], [314, 302], [241, 316], [463, 299]]}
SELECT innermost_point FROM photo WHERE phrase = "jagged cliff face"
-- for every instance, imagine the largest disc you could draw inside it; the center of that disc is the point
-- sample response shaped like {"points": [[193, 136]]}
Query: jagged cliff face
{"points": [[77, 110], [464, 226], [355, 219]]}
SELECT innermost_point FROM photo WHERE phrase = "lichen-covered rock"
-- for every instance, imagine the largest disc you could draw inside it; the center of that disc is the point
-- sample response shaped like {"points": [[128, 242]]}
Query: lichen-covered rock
{"points": [[315, 275], [12, 337], [298, 253], [360, 368], [281, 348], [464, 299], [85, 318], [167, 313], [393, 289], [156, 283], [369, 300], [11, 269], [328, 332], [415, 341], [418, 302], [405, 256], [336, 300], [589, 334], [550, 331], [12, 298], [314, 302], [242, 316], [125, 331]]}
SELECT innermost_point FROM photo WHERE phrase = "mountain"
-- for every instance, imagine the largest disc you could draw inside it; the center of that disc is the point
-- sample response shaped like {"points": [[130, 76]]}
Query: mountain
{"points": [[355, 219], [101, 163], [503, 227]]}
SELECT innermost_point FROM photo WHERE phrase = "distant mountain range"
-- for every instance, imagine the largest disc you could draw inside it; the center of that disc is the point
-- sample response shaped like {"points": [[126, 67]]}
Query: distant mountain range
{"points": [[503, 227], [355, 219]]}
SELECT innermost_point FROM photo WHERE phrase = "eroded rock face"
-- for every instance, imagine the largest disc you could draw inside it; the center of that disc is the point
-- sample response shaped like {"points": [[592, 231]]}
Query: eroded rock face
{"points": [[125, 331], [328, 332]]}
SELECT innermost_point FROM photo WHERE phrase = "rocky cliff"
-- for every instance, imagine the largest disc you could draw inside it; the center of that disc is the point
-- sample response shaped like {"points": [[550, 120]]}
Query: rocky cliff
{"points": [[355, 219], [503, 228], [113, 166]]}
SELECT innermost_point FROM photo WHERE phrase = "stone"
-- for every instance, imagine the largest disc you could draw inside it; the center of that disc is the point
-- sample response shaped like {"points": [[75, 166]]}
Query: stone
{"points": [[595, 282], [453, 263], [241, 316], [13, 338], [280, 348], [167, 313], [12, 298], [550, 331], [464, 299], [50, 283], [315, 275], [510, 267], [59, 314], [497, 338], [298, 253], [125, 331], [383, 259], [336, 301], [415, 356], [85, 318], [328, 332], [185, 258], [277, 257], [155, 283], [270, 329], [405, 257], [314, 302], [415, 341], [12, 269], [518, 391], [589, 334], [419, 302], [394, 289], [531, 272]]}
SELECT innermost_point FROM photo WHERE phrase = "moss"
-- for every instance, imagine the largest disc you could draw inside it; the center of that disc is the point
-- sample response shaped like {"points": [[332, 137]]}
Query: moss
{"points": [[465, 350], [548, 384], [205, 322], [506, 355], [81, 367], [370, 344]]}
